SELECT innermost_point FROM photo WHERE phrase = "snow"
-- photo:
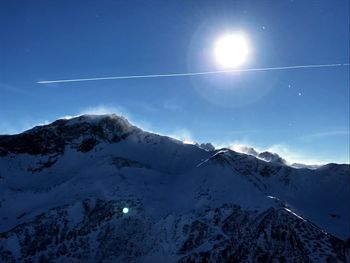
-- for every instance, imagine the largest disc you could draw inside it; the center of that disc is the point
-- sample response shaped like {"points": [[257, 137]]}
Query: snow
{"points": [[290, 211], [76, 213], [12, 245], [172, 178]]}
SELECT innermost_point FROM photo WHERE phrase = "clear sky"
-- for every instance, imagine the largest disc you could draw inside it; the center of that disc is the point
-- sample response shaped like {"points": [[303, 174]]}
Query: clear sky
{"points": [[302, 114]]}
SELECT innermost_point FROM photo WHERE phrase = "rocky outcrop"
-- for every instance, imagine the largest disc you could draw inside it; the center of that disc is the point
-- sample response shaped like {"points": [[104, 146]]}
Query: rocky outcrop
{"points": [[82, 133], [98, 231]]}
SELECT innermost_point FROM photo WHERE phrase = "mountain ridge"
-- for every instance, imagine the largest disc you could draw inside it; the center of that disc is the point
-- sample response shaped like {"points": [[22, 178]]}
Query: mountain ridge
{"points": [[95, 119], [52, 174]]}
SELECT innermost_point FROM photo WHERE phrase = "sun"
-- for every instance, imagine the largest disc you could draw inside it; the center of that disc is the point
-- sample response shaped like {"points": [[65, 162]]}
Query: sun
{"points": [[231, 50]]}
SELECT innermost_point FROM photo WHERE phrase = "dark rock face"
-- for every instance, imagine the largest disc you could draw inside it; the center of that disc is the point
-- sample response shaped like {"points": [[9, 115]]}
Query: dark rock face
{"points": [[54, 137], [271, 157], [272, 236], [87, 145], [44, 164], [249, 167], [100, 232], [207, 146], [41, 142], [121, 162], [97, 230]]}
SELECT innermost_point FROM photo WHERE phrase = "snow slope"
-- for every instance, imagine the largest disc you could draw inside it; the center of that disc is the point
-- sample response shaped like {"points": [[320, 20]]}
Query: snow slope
{"points": [[63, 187]]}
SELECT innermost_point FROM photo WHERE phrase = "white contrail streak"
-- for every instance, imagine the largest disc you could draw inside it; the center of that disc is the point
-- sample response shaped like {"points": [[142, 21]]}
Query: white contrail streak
{"points": [[191, 73]]}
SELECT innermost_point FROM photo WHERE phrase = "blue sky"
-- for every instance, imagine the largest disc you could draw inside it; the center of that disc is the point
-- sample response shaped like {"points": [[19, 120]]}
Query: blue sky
{"points": [[301, 114]]}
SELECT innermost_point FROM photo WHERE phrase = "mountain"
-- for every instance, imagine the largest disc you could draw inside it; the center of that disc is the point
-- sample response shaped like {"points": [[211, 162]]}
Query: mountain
{"points": [[63, 187]]}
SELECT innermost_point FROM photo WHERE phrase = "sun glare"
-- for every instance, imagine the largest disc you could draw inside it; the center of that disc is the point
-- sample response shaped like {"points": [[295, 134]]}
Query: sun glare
{"points": [[231, 50]]}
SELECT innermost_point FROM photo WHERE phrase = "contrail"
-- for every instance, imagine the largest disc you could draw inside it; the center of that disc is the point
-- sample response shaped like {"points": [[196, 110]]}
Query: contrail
{"points": [[192, 73]]}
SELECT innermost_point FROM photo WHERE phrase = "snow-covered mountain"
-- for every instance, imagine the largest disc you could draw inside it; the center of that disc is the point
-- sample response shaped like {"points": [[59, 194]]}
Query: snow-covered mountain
{"points": [[63, 187]]}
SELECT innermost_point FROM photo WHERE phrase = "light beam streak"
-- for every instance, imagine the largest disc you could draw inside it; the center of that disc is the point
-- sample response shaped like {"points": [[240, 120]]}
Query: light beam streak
{"points": [[192, 73]]}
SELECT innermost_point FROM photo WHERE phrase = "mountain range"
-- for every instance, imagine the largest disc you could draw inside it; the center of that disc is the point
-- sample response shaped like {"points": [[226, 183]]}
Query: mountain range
{"points": [[64, 187]]}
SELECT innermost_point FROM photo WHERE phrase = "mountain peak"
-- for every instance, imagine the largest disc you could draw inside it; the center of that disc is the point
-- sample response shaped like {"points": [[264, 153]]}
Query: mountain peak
{"points": [[271, 157], [92, 119], [64, 186], [86, 131]]}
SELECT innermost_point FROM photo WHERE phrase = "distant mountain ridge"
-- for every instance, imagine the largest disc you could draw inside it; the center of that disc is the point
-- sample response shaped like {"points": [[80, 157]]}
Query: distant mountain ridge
{"points": [[63, 187]]}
